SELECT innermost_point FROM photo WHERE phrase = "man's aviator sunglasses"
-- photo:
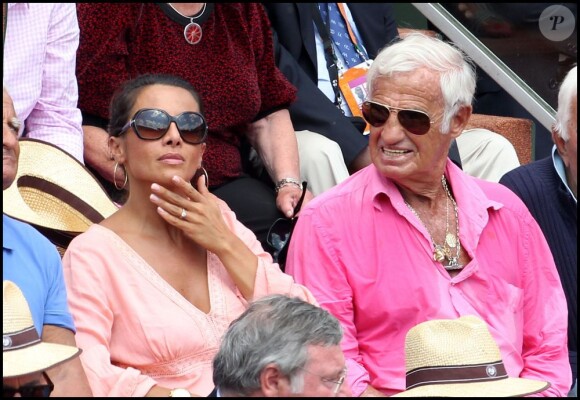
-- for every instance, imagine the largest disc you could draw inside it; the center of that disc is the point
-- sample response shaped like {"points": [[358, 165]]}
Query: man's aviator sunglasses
{"points": [[153, 124], [415, 121]]}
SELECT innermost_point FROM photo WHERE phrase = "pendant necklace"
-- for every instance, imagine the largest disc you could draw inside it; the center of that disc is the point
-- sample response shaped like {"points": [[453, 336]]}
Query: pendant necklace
{"points": [[192, 31], [451, 242]]}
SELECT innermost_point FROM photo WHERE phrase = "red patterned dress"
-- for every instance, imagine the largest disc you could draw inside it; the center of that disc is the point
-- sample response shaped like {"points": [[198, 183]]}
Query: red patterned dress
{"points": [[232, 67]]}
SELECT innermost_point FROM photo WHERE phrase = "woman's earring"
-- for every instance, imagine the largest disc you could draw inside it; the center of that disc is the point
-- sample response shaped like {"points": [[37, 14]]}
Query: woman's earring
{"points": [[200, 171], [206, 177], [115, 177]]}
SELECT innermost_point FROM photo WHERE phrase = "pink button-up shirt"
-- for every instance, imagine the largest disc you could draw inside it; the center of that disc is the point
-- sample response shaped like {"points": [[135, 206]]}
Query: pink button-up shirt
{"points": [[39, 72], [368, 260]]}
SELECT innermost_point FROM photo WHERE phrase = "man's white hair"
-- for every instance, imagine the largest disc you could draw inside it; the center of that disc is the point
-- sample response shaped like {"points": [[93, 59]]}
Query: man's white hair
{"points": [[568, 92]]}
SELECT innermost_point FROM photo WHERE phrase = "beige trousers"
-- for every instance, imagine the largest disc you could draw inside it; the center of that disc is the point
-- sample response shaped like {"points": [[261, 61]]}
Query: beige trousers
{"points": [[321, 162], [486, 154]]}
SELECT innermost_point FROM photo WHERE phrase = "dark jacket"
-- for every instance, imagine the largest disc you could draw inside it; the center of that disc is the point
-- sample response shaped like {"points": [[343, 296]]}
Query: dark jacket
{"points": [[295, 46], [293, 22], [554, 208]]}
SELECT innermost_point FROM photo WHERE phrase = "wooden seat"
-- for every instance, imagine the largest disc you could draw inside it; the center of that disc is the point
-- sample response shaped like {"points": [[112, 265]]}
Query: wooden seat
{"points": [[519, 131]]}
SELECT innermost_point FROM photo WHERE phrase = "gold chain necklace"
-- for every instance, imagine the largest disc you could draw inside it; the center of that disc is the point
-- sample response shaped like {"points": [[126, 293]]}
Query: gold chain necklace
{"points": [[452, 240], [443, 252]]}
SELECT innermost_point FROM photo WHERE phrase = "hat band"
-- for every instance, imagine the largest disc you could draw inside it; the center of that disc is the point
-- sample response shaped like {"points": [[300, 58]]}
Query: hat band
{"points": [[18, 340], [456, 374], [61, 194]]}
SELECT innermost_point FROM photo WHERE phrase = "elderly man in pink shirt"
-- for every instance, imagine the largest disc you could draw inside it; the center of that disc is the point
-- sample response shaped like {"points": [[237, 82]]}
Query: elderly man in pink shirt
{"points": [[412, 238]]}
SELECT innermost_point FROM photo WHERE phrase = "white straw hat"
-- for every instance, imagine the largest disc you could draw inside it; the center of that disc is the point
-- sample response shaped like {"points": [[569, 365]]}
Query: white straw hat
{"points": [[459, 358], [54, 192], [23, 351]]}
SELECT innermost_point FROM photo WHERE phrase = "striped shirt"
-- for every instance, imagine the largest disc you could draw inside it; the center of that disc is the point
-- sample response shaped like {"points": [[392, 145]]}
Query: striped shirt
{"points": [[39, 72]]}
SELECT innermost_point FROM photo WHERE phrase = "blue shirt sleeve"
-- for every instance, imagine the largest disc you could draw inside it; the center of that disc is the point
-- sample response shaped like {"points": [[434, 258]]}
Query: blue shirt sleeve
{"points": [[32, 262]]}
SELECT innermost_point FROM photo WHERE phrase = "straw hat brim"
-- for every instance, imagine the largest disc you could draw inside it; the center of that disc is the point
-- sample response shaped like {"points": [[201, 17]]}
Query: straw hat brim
{"points": [[507, 387], [36, 358], [54, 190]]}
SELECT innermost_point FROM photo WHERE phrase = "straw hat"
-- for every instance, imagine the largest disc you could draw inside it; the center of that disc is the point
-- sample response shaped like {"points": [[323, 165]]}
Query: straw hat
{"points": [[459, 358], [23, 351], [55, 192]]}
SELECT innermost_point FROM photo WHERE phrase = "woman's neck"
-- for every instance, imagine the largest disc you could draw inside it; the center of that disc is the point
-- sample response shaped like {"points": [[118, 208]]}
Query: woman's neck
{"points": [[187, 9], [141, 214]]}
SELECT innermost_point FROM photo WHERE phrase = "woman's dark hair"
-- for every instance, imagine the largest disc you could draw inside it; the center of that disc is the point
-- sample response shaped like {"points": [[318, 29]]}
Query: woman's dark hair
{"points": [[124, 97]]}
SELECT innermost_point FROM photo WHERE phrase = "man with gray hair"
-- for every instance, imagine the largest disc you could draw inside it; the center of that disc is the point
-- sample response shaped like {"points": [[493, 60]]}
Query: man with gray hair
{"points": [[281, 346], [549, 189], [32, 263]]}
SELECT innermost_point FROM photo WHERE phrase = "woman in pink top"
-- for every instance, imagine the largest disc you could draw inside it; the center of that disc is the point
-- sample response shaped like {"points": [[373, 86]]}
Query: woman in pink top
{"points": [[153, 287]]}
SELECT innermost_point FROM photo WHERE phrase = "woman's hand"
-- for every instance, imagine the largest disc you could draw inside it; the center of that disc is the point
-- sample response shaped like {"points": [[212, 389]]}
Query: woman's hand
{"points": [[195, 212]]}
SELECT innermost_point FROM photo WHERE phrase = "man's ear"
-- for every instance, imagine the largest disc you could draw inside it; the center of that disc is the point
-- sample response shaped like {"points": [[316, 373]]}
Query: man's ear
{"points": [[561, 146], [459, 121], [273, 382]]}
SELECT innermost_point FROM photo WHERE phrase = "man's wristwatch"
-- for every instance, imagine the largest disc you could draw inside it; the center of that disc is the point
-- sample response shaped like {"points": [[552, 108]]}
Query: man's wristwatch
{"points": [[179, 392]]}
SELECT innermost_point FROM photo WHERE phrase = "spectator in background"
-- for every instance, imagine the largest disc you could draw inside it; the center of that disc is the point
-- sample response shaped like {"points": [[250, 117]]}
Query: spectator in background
{"points": [[548, 187], [293, 24], [324, 166], [302, 59], [33, 263], [227, 54], [25, 358], [281, 347], [39, 68], [439, 242], [173, 266]]}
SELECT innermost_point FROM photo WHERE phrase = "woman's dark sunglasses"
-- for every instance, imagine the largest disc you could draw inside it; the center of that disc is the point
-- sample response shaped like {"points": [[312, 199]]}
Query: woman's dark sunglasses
{"points": [[153, 124], [415, 121], [280, 231], [31, 391]]}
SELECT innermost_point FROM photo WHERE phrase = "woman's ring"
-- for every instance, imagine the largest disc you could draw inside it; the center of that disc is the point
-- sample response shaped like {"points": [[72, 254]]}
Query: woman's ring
{"points": [[183, 214]]}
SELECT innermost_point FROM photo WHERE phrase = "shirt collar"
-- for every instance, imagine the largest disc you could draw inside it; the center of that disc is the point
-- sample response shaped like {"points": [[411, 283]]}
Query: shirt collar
{"points": [[474, 204], [561, 170], [9, 242], [464, 185]]}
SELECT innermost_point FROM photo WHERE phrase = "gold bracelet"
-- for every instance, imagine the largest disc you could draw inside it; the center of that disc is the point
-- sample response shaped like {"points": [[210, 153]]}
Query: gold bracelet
{"points": [[287, 181]]}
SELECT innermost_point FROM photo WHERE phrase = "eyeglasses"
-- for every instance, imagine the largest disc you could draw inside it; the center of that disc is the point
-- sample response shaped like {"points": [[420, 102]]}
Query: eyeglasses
{"points": [[279, 233], [415, 121], [153, 124], [337, 382], [31, 391]]}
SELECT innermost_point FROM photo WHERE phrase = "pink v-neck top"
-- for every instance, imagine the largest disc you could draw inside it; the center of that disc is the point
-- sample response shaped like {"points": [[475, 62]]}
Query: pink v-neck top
{"points": [[136, 330]]}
